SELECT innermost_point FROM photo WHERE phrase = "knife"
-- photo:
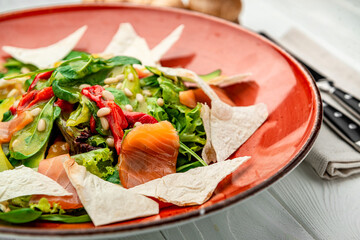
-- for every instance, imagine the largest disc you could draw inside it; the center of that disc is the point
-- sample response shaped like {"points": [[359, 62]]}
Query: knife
{"points": [[334, 118], [348, 101]]}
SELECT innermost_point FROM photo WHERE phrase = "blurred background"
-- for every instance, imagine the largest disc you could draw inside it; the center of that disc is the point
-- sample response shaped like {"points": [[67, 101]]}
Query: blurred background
{"points": [[333, 24]]}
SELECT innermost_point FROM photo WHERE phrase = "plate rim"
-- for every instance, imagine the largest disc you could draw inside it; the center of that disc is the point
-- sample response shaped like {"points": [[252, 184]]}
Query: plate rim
{"points": [[194, 214]]}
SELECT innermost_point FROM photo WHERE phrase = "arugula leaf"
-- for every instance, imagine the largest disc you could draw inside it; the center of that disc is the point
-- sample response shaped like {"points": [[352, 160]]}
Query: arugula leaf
{"points": [[21, 215]]}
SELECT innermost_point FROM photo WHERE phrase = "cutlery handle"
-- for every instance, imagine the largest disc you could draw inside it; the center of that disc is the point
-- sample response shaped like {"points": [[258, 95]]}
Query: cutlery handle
{"points": [[343, 125], [351, 103]]}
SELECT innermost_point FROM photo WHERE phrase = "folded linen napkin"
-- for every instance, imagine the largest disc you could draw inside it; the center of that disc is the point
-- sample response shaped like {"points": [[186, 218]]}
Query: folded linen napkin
{"points": [[331, 156]]}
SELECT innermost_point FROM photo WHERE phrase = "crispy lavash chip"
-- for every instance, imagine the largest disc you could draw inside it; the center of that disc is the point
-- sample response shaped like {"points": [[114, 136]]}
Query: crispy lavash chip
{"points": [[127, 42], [208, 153], [193, 187], [24, 181], [106, 202], [230, 126], [159, 50], [46, 56], [224, 81]]}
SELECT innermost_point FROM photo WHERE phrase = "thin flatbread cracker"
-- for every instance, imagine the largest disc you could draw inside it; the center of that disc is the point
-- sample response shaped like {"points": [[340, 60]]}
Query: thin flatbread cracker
{"points": [[46, 56], [24, 181], [127, 42], [193, 187], [230, 126], [224, 81], [122, 40], [106, 202], [208, 153], [159, 50]]}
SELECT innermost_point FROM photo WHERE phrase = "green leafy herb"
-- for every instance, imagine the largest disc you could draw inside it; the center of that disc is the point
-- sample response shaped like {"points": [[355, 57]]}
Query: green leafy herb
{"points": [[97, 141], [29, 140], [98, 162], [114, 178], [65, 218], [21, 215], [80, 115]]}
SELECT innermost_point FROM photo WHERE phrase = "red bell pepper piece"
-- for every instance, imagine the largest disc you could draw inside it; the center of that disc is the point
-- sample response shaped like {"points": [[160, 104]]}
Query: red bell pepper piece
{"points": [[133, 117], [92, 125], [42, 95], [64, 105], [116, 118], [31, 98], [44, 75]]}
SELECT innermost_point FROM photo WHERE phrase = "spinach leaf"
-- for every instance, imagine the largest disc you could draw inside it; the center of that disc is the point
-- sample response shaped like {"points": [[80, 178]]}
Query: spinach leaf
{"points": [[74, 54], [84, 69], [21, 215], [65, 218], [29, 141], [120, 98]]}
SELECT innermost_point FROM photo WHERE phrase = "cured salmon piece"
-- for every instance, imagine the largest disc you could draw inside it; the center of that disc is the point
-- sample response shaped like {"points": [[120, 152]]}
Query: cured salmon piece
{"points": [[7, 129], [148, 152], [54, 169]]}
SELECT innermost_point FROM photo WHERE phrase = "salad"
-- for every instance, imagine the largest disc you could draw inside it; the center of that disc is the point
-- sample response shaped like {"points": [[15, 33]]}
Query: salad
{"points": [[91, 129]]}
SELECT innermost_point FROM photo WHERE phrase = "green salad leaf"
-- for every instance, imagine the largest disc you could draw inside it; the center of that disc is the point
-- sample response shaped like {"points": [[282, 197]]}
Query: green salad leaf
{"points": [[65, 218], [99, 162], [21, 215], [29, 141]]}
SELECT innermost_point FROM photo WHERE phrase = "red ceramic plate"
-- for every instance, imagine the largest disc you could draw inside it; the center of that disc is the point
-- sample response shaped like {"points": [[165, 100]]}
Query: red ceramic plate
{"points": [[206, 44]]}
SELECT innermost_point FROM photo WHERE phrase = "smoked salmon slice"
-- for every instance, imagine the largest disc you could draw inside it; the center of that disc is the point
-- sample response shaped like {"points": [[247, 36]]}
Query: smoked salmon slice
{"points": [[7, 129], [148, 152], [54, 169]]}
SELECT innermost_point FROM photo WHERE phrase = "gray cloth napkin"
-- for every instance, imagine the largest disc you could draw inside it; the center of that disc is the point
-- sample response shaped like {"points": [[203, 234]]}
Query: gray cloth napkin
{"points": [[331, 156]]}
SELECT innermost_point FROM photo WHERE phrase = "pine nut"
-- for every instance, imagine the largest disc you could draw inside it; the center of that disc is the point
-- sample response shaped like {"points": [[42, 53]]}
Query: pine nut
{"points": [[128, 108], [35, 112], [147, 93], [119, 86], [110, 80], [102, 112], [127, 92], [137, 124], [110, 142], [106, 86], [107, 95], [41, 125], [13, 92], [130, 77], [104, 123], [160, 102], [139, 97], [84, 86], [120, 77]]}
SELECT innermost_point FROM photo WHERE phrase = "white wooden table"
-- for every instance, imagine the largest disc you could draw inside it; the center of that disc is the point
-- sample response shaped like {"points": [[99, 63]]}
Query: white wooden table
{"points": [[301, 205]]}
